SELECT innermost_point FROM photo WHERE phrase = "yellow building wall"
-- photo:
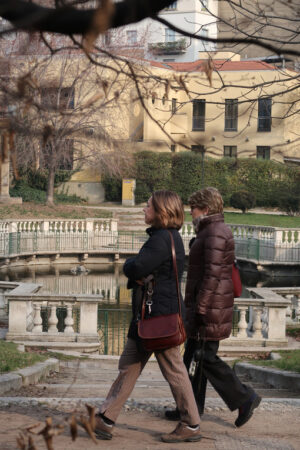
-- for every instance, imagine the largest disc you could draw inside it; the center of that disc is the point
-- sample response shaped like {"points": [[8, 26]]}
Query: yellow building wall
{"points": [[239, 85]]}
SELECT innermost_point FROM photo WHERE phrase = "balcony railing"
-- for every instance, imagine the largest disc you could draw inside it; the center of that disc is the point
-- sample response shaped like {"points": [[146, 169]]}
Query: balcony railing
{"points": [[168, 48]]}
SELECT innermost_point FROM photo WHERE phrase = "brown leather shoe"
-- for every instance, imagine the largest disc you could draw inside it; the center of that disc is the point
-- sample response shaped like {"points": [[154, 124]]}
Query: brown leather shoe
{"points": [[102, 430], [182, 433]]}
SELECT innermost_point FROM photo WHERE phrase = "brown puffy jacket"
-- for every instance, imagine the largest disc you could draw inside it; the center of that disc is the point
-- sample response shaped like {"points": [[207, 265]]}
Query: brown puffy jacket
{"points": [[209, 288]]}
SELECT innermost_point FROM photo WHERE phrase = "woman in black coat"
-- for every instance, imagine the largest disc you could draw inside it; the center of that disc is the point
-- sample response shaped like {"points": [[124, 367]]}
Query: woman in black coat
{"points": [[164, 212]]}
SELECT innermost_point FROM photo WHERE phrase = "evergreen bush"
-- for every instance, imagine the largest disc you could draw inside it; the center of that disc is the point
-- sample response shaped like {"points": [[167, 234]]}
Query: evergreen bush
{"points": [[28, 194], [186, 172], [243, 200], [113, 188]]}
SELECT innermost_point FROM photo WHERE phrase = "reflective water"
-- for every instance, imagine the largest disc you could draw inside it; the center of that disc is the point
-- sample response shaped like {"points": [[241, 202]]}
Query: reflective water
{"points": [[109, 280]]}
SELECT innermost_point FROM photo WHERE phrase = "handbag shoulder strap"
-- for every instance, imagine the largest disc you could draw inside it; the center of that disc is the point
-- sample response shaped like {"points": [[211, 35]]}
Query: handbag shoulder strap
{"points": [[175, 271]]}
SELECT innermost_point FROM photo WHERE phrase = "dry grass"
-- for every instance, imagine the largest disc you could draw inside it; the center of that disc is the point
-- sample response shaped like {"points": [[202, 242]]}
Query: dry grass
{"points": [[38, 211]]}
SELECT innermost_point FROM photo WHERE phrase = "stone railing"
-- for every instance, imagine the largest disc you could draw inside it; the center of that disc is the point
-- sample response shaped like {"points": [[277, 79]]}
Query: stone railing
{"points": [[260, 244], [25, 321], [24, 237], [261, 319], [58, 225], [17, 288], [292, 294]]}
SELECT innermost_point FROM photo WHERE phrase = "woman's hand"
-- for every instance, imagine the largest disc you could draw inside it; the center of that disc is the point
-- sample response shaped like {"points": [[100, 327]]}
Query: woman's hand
{"points": [[140, 282]]}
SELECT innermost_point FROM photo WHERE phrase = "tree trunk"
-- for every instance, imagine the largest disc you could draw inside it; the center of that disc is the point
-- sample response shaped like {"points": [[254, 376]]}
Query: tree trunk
{"points": [[50, 187]]}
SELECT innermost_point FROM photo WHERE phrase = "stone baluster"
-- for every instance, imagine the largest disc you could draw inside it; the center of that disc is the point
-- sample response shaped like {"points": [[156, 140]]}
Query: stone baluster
{"points": [[37, 319], [242, 325], [289, 312], [257, 325], [52, 320], [69, 321], [289, 309], [297, 308], [265, 322]]}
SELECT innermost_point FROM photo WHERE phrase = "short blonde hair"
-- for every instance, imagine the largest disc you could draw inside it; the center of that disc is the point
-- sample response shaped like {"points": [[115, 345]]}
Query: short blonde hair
{"points": [[209, 198], [169, 209]]}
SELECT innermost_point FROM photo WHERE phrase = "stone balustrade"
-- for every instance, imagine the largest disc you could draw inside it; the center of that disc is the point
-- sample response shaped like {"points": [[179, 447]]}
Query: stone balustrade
{"points": [[26, 327], [259, 321], [58, 225], [32, 237], [292, 294], [260, 244]]}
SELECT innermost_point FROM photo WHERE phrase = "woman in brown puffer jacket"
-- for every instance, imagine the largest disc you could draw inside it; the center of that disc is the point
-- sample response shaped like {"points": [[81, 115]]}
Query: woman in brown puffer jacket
{"points": [[209, 306]]}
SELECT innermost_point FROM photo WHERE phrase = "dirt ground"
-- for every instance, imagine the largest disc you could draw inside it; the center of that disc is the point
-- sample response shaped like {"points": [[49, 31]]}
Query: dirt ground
{"points": [[141, 430]]}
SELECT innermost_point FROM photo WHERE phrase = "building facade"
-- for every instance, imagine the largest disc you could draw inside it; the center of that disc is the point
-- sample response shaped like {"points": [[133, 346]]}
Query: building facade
{"points": [[223, 108]]}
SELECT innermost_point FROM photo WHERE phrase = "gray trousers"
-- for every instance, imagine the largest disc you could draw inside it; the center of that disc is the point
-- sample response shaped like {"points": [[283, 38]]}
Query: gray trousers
{"points": [[171, 365]]}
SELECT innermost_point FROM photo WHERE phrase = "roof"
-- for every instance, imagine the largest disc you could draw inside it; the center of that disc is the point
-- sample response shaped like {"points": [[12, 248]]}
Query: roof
{"points": [[218, 65]]}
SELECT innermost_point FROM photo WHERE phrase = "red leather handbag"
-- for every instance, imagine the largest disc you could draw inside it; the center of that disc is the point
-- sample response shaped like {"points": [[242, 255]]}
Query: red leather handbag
{"points": [[236, 280], [162, 332]]}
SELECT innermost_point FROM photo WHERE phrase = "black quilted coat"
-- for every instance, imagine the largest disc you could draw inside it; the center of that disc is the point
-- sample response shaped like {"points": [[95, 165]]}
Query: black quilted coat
{"points": [[209, 288], [155, 257]]}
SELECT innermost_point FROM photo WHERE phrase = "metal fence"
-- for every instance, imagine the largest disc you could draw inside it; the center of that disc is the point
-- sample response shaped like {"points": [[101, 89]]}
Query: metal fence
{"points": [[113, 326]]}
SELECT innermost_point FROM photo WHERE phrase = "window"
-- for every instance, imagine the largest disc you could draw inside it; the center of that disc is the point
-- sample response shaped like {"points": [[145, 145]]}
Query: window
{"points": [[169, 35], [173, 148], [198, 115], [198, 148], [230, 151], [264, 114], [53, 97], [263, 152], [66, 98], [172, 6], [231, 114], [132, 37], [174, 107]]}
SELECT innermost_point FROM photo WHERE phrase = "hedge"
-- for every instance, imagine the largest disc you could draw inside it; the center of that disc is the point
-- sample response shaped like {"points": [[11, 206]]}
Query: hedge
{"points": [[186, 172]]}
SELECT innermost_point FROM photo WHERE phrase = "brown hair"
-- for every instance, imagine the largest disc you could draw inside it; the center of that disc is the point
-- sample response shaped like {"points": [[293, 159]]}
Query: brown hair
{"points": [[207, 198], [169, 210]]}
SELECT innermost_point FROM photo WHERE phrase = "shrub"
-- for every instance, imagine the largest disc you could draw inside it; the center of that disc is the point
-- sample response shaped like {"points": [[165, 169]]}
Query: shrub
{"points": [[113, 188], [142, 192], [153, 169], [243, 200], [28, 194], [290, 204], [63, 197], [38, 179]]}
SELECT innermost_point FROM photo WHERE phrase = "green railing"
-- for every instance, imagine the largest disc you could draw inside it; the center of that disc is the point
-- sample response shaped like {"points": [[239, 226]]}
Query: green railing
{"points": [[113, 326], [272, 246]]}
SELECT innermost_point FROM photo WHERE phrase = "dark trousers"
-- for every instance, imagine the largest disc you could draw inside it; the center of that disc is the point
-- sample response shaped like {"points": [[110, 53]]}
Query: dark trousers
{"points": [[219, 374]]}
